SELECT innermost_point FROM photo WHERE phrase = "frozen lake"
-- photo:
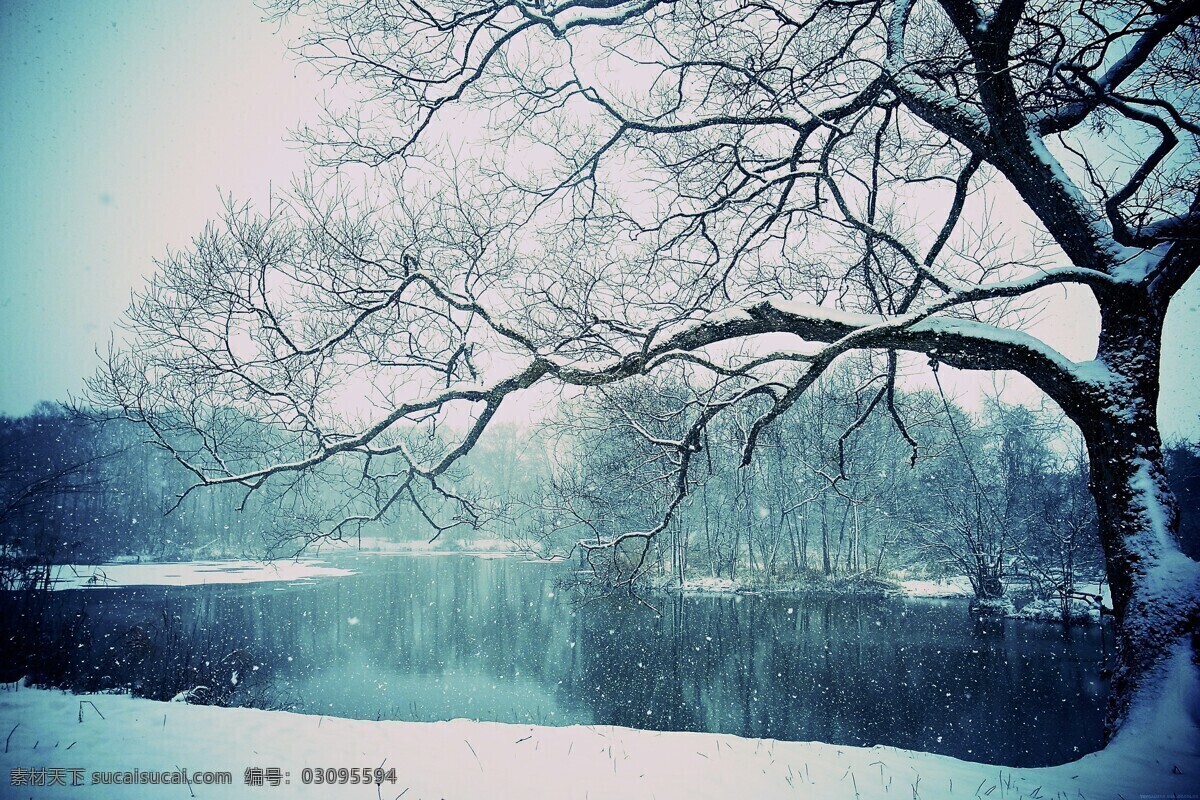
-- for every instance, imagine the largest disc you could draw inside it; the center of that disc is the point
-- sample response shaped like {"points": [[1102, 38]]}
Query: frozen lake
{"points": [[442, 637]]}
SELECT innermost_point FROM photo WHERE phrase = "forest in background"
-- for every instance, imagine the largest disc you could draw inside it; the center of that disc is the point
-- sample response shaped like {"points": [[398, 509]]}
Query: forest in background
{"points": [[838, 498]]}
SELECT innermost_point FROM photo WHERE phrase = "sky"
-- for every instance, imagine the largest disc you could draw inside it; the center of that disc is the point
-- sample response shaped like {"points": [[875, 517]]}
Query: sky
{"points": [[124, 123]]}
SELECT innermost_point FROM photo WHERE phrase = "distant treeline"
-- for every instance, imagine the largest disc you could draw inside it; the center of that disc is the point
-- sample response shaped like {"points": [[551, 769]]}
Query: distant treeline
{"points": [[831, 491], [835, 489], [77, 490]]}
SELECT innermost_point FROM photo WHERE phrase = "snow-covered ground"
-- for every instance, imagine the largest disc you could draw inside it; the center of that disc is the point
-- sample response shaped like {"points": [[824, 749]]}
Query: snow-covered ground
{"points": [[852, 585], [1044, 610], [711, 585], [1050, 610], [188, 573], [960, 586], [440, 547], [1159, 756], [945, 587]]}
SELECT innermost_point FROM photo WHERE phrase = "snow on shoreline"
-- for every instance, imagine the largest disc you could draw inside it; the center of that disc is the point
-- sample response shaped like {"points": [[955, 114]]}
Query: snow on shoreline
{"points": [[375, 545], [194, 573], [1035, 609], [960, 586], [463, 760], [191, 573], [709, 586], [946, 587]]}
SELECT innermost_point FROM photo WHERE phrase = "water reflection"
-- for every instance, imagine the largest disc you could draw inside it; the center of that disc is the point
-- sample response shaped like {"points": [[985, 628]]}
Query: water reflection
{"points": [[432, 638], [902, 673]]}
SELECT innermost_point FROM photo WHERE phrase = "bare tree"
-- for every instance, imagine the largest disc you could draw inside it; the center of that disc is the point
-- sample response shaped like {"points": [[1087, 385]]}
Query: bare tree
{"points": [[1066, 550], [48, 460], [662, 178], [982, 496]]}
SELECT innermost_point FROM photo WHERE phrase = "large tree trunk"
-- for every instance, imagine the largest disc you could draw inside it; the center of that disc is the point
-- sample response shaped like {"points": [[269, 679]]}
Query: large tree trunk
{"points": [[1155, 587]]}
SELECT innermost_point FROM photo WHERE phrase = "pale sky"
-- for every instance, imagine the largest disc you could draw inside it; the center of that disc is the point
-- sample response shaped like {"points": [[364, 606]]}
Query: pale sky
{"points": [[121, 119]]}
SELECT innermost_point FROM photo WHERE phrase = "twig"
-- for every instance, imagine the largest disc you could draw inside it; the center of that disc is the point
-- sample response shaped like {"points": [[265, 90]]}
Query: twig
{"points": [[477, 761], [90, 703], [185, 780]]}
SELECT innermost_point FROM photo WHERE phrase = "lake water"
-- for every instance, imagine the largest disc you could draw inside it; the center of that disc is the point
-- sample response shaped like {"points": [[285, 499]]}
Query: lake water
{"points": [[440, 637]]}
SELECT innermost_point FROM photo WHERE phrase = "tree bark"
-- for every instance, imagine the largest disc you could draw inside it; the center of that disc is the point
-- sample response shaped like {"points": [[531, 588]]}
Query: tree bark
{"points": [[1155, 587]]}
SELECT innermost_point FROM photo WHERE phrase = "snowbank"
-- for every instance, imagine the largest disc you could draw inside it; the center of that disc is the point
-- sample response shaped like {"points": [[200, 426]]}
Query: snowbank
{"points": [[463, 760], [376, 545], [947, 587], [710, 585], [860, 585], [1045, 610], [1050, 610], [189, 573]]}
